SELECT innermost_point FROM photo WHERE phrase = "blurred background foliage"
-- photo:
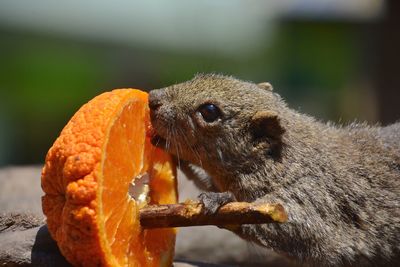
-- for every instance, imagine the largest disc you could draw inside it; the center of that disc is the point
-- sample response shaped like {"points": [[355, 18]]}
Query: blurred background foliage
{"points": [[334, 59]]}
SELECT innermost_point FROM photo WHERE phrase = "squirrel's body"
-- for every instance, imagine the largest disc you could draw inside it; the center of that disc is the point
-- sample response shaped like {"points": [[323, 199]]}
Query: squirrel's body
{"points": [[339, 185]]}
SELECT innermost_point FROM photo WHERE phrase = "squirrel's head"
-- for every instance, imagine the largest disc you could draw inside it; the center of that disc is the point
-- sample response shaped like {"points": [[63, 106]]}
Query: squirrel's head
{"points": [[218, 122]]}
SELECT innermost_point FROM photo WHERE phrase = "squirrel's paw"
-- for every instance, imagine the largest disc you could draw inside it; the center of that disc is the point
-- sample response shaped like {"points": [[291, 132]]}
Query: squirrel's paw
{"points": [[212, 201]]}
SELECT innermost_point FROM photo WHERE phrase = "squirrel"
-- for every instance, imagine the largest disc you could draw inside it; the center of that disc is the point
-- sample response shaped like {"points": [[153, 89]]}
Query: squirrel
{"points": [[339, 184]]}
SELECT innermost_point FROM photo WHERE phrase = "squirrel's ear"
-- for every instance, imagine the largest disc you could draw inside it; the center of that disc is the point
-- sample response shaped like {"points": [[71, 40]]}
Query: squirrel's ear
{"points": [[266, 123], [265, 86]]}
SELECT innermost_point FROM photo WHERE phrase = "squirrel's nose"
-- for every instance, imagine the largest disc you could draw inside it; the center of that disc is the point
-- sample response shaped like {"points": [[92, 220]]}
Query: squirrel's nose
{"points": [[155, 99]]}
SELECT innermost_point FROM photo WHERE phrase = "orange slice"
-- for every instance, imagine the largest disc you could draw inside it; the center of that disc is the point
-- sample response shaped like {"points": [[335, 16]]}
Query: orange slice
{"points": [[86, 180]]}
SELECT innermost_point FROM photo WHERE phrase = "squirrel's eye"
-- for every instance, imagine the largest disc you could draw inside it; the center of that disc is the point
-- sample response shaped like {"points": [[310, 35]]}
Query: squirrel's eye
{"points": [[209, 112]]}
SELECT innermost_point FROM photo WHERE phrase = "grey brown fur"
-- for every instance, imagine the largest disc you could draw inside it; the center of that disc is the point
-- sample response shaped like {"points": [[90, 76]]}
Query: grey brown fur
{"points": [[340, 185]]}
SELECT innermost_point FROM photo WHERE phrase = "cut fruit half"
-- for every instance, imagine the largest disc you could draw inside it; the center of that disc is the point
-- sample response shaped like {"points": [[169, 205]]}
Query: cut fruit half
{"points": [[101, 156]]}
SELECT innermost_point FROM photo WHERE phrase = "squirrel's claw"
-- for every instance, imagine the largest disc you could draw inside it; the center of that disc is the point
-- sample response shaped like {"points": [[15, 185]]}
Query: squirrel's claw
{"points": [[212, 201]]}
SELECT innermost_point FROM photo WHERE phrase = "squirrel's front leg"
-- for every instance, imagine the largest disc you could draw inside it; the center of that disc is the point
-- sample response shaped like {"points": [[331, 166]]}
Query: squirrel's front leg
{"points": [[211, 199]]}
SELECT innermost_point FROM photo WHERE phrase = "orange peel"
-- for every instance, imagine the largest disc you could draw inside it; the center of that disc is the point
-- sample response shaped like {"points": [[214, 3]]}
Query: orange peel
{"points": [[86, 179]]}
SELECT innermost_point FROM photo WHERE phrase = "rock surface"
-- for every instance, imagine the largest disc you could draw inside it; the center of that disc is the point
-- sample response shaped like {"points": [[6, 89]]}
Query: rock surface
{"points": [[25, 241]]}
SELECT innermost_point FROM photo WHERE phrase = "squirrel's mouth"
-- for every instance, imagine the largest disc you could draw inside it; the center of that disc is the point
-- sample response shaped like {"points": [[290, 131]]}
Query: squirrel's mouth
{"points": [[158, 141], [155, 138]]}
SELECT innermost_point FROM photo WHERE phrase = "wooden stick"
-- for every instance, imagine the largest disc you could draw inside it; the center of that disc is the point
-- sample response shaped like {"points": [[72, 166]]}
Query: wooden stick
{"points": [[191, 213]]}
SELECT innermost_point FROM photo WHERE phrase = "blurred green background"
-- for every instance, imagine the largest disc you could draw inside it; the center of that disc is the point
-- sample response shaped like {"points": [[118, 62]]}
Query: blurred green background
{"points": [[335, 59]]}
